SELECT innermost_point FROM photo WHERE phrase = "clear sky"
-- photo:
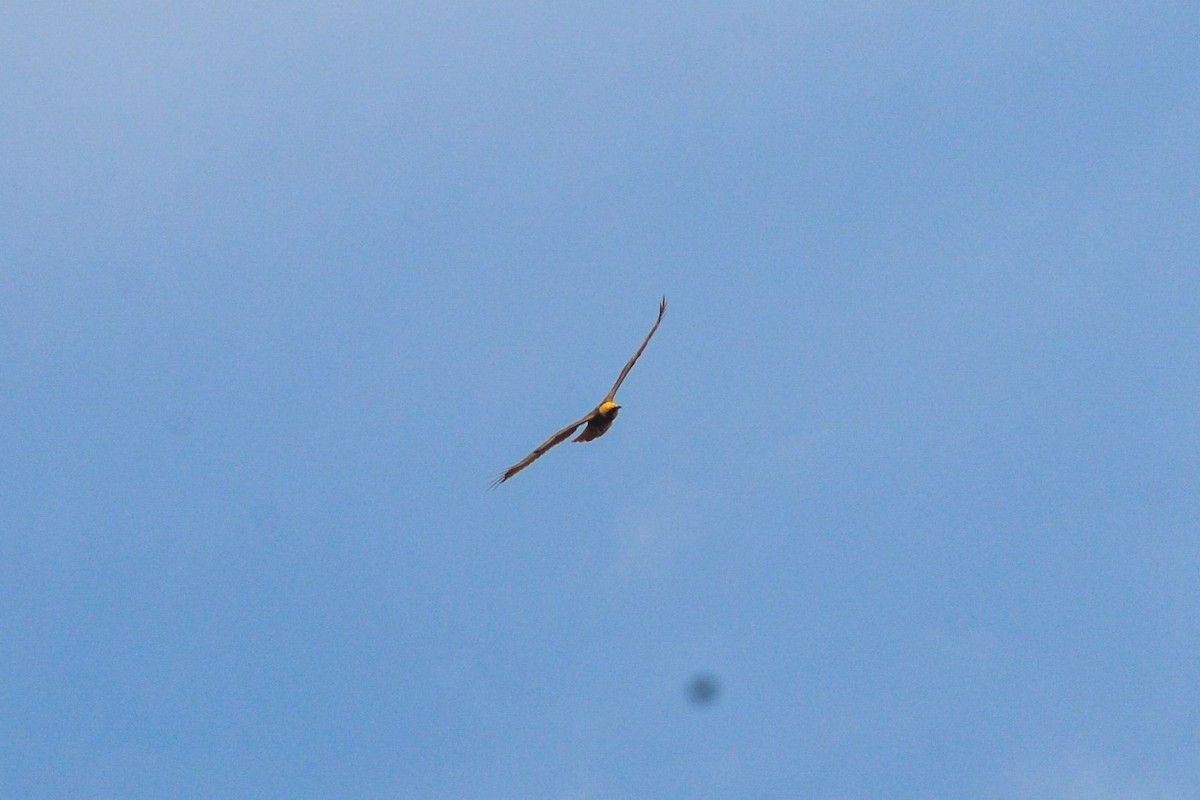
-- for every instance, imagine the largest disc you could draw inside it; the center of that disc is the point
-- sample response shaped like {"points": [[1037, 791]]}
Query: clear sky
{"points": [[911, 471]]}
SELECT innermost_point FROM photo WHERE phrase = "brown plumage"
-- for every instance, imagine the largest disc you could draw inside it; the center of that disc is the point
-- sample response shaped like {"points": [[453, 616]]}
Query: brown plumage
{"points": [[598, 420]]}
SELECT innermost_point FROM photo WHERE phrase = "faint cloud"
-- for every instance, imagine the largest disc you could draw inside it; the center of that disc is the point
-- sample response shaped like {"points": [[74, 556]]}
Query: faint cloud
{"points": [[643, 549], [637, 555], [1077, 776]]}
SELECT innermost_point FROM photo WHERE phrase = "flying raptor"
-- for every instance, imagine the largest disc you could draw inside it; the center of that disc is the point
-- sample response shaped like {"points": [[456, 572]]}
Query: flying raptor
{"points": [[598, 420]]}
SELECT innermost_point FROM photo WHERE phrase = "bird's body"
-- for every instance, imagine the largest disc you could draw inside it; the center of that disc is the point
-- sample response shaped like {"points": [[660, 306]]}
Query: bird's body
{"points": [[598, 420]]}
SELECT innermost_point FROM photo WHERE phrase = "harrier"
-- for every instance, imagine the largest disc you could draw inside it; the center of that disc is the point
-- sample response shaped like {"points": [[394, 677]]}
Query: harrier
{"points": [[598, 420]]}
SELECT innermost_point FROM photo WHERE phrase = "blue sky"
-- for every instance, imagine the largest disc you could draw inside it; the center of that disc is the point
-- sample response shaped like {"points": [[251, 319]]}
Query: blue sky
{"points": [[911, 466]]}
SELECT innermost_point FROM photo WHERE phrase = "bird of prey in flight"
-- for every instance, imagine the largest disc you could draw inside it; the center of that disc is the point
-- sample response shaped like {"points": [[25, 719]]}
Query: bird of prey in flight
{"points": [[598, 420]]}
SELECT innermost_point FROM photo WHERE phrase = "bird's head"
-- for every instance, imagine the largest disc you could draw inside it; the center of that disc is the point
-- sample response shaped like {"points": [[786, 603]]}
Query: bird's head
{"points": [[609, 409]]}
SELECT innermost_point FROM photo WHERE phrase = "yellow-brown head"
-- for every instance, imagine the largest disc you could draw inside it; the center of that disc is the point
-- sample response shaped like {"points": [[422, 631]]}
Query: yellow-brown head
{"points": [[608, 408]]}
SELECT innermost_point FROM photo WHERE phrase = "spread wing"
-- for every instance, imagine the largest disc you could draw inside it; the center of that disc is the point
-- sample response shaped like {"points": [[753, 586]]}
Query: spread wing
{"points": [[541, 449], [662, 308]]}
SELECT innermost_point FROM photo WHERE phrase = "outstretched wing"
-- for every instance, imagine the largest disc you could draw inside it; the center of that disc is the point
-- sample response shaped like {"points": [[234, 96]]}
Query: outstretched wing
{"points": [[662, 308], [541, 449]]}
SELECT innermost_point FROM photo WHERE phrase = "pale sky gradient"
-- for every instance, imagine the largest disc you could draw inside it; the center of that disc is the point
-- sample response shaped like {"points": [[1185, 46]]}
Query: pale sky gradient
{"points": [[912, 467]]}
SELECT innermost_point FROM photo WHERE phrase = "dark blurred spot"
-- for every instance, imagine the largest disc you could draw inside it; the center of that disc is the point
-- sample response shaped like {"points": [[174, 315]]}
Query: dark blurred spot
{"points": [[703, 690]]}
